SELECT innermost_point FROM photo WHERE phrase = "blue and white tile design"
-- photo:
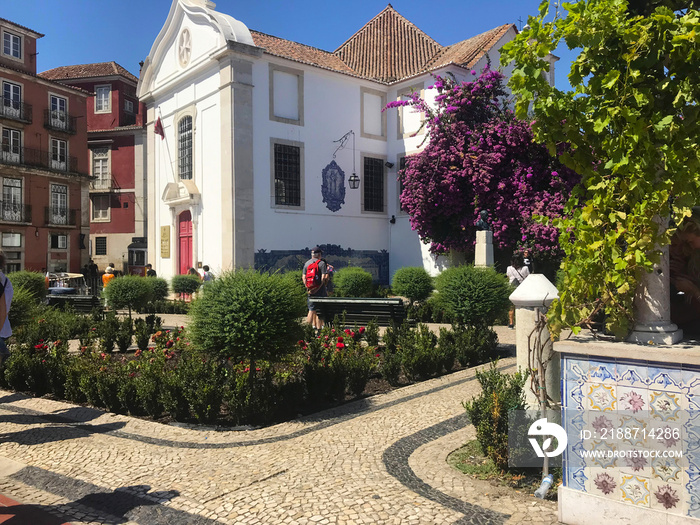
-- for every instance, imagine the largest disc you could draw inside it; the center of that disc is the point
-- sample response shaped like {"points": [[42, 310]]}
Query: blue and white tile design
{"points": [[639, 394]]}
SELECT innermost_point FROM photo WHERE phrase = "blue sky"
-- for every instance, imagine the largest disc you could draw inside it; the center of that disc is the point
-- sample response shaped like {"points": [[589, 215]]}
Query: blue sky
{"points": [[87, 31]]}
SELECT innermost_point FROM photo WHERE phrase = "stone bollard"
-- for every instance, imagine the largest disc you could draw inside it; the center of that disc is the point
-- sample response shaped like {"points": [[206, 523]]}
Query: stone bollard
{"points": [[532, 298]]}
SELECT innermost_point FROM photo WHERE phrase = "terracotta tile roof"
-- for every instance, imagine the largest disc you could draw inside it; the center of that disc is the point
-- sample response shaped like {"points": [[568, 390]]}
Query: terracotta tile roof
{"points": [[388, 48], [102, 69], [21, 27], [468, 52], [300, 52]]}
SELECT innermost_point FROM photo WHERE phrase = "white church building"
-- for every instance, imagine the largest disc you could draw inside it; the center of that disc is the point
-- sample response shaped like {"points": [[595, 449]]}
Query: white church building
{"points": [[259, 148]]}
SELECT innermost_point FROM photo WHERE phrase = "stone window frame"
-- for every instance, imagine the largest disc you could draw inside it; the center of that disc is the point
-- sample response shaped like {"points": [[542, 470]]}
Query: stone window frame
{"points": [[401, 95], [191, 112], [382, 95], [300, 90], [101, 238], [94, 152], [104, 197], [382, 158], [19, 37], [302, 185], [108, 109], [58, 236]]}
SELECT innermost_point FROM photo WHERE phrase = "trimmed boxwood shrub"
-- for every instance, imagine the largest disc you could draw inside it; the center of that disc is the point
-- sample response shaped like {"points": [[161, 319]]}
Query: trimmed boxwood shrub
{"points": [[352, 281], [130, 291], [33, 282], [412, 282], [473, 296], [248, 316], [160, 288], [187, 284]]}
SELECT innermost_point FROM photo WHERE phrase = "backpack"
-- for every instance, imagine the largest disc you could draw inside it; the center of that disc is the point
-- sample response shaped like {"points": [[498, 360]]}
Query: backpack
{"points": [[312, 279]]}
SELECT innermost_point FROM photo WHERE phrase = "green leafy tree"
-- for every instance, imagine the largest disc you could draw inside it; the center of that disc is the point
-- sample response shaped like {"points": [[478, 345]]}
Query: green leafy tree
{"points": [[130, 291], [248, 316], [632, 125]]}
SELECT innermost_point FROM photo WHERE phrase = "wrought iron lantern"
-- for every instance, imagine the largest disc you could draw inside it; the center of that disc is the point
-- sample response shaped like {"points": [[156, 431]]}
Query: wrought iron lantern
{"points": [[354, 181]]}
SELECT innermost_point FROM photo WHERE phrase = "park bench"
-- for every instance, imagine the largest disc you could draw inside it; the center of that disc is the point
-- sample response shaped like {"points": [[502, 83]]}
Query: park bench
{"points": [[362, 310]]}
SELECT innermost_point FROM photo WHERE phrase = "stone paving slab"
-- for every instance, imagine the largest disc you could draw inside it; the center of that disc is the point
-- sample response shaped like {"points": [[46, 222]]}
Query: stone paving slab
{"points": [[378, 460]]}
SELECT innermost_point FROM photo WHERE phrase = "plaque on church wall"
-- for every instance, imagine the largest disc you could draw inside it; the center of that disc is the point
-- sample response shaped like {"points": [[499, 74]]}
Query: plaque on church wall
{"points": [[165, 242]]}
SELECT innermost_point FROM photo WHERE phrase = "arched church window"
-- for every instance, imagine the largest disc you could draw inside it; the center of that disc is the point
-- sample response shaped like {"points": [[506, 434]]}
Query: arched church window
{"points": [[184, 143]]}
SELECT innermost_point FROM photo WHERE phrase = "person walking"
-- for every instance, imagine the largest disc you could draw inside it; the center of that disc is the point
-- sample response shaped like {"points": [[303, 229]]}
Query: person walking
{"points": [[208, 276], [107, 276], [150, 272], [315, 277], [516, 273], [6, 294]]}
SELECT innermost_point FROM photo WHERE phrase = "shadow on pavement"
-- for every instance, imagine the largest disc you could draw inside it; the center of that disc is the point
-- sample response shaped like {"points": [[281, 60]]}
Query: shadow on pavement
{"points": [[40, 435], [111, 508]]}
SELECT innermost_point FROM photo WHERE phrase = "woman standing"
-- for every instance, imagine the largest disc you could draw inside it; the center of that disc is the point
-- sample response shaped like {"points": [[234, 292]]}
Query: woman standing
{"points": [[6, 293], [516, 273]]}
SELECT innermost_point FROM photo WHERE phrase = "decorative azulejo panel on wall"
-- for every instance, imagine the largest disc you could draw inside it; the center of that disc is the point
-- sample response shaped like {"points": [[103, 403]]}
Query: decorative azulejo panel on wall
{"points": [[634, 431], [375, 262]]}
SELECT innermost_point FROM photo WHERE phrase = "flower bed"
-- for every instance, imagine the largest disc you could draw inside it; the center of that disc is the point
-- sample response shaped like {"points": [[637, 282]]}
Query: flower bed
{"points": [[167, 377]]}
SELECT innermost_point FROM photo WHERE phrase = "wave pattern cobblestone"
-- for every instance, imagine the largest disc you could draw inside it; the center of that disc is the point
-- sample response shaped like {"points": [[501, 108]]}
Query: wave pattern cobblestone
{"points": [[378, 461]]}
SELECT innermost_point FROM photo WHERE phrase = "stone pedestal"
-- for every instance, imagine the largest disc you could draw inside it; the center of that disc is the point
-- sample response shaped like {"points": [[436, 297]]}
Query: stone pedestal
{"points": [[484, 248], [532, 299]]}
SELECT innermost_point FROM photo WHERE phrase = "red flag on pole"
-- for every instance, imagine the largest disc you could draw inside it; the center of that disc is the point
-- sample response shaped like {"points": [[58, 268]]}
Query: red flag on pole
{"points": [[158, 129]]}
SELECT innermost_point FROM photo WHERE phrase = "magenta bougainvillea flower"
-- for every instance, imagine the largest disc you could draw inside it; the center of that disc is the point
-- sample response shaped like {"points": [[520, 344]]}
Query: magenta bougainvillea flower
{"points": [[667, 496], [605, 483], [479, 156]]}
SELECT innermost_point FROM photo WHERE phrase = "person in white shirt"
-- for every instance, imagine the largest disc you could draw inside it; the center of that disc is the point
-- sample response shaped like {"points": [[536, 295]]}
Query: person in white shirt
{"points": [[516, 273], [6, 293]]}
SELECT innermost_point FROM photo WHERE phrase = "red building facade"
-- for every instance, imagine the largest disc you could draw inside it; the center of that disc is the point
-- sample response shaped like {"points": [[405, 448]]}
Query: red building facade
{"points": [[117, 207], [43, 161]]}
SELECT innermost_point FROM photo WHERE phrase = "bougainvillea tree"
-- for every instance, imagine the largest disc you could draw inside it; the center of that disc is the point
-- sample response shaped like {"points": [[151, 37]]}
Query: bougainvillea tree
{"points": [[633, 124], [479, 156]]}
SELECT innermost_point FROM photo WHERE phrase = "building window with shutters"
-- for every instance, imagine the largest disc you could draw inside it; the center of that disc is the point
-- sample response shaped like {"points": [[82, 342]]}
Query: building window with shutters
{"points": [[59, 241]]}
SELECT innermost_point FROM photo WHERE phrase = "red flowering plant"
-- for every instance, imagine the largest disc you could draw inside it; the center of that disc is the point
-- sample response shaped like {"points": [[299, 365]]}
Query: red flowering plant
{"points": [[479, 156]]}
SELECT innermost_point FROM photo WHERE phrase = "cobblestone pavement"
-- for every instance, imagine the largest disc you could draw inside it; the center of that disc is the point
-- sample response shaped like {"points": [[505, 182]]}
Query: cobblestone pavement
{"points": [[374, 461]]}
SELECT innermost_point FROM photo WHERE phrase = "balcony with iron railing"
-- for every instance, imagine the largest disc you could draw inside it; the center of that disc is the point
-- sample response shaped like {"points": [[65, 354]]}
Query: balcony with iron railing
{"points": [[14, 212], [34, 158], [60, 121], [102, 183], [14, 110], [59, 216]]}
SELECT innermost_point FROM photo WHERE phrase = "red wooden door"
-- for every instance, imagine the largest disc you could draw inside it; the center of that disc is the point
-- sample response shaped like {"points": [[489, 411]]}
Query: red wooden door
{"points": [[185, 241]]}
